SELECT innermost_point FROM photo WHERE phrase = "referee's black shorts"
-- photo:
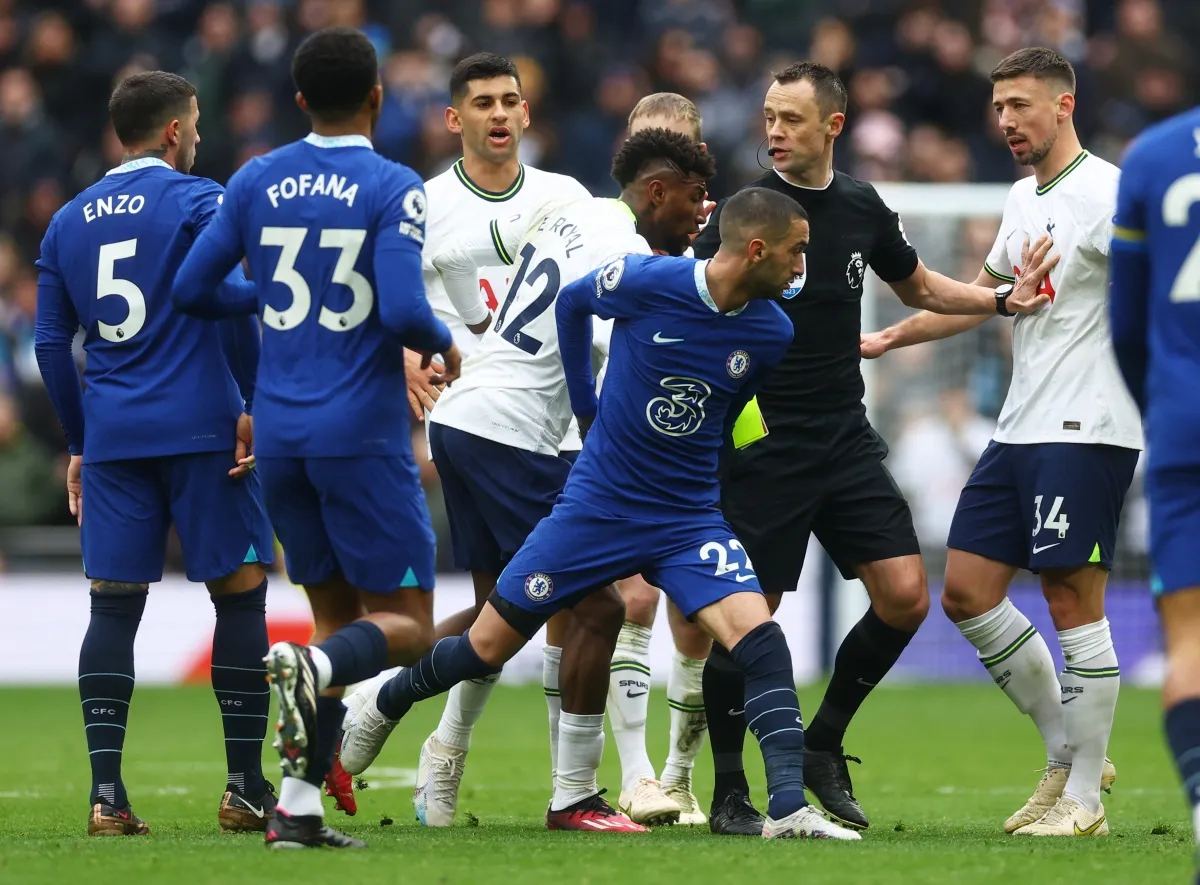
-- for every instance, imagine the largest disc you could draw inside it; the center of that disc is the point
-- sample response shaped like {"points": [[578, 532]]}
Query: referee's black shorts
{"points": [[826, 478]]}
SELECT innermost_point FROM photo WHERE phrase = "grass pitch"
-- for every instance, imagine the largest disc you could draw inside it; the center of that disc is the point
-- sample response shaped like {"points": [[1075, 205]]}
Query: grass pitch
{"points": [[943, 767]]}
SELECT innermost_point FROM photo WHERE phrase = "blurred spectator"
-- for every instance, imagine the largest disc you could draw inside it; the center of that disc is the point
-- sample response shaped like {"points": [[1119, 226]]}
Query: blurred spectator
{"points": [[33, 482]]}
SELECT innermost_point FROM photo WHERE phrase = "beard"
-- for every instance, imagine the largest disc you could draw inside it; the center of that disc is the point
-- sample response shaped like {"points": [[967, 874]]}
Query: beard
{"points": [[1039, 153]]}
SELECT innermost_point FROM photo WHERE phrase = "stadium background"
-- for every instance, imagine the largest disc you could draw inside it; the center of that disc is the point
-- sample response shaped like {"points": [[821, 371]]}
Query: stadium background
{"points": [[919, 112]]}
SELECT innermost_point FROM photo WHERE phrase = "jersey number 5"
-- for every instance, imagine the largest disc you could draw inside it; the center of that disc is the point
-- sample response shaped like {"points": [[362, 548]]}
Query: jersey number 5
{"points": [[1177, 203], [107, 283], [546, 269], [290, 239]]}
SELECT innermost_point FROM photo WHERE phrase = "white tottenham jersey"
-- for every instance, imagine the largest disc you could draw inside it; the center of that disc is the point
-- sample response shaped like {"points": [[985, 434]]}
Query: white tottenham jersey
{"points": [[1065, 385], [457, 204], [512, 389]]}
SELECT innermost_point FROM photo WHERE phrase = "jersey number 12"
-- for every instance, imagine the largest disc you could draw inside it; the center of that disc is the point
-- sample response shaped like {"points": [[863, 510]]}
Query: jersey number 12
{"points": [[546, 269]]}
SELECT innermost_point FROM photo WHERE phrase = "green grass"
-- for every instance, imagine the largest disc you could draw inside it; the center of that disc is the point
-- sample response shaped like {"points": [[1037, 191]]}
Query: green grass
{"points": [[943, 767]]}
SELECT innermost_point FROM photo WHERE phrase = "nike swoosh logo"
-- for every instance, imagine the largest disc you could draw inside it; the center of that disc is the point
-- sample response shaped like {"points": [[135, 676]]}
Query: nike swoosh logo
{"points": [[258, 812], [741, 579], [635, 694], [1068, 700], [736, 712], [862, 681], [1091, 829], [1037, 549], [659, 339]]}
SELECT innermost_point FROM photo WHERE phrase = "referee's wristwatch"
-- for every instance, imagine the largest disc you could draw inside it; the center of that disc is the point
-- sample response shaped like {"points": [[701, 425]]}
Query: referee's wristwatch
{"points": [[1002, 293]]}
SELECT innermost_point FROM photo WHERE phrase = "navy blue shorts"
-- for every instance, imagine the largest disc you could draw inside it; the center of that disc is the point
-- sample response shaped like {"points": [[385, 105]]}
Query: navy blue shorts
{"points": [[1044, 505], [495, 494], [579, 548], [363, 518], [129, 506], [1174, 497]]}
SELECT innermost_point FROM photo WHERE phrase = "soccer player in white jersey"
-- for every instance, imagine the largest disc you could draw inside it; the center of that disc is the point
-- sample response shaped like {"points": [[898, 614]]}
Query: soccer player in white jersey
{"points": [[489, 181], [1047, 493], [496, 440], [642, 793]]}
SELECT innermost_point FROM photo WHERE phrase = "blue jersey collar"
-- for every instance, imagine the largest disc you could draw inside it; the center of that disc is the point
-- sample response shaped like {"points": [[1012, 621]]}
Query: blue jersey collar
{"points": [[698, 272], [134, 165], [338, 141]]}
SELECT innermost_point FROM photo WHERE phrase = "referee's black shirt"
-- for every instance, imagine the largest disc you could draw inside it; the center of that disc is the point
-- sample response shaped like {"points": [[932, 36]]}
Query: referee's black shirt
{"points": [[851, 228]]}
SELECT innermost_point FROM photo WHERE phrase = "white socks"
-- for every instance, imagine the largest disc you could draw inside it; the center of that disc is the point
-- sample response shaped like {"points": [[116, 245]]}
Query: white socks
{"points": [[551, 659], [629, 700], [580, 748], [1017, 658], [299, 797], [1090, 680], [322, 665], [464, 706], [685, 695]]}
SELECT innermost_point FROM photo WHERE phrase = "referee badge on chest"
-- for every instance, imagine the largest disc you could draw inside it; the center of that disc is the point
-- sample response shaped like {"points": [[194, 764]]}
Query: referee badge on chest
{"points": [[794, 287], [737, 364], [539, 586], [855, 270]]}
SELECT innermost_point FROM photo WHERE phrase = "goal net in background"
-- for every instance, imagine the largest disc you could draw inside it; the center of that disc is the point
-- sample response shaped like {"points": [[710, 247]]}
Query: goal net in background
{"points": [[936, 405]]}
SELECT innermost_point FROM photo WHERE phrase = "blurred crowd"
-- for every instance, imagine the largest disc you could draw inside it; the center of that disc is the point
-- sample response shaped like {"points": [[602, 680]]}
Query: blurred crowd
{"points": [[916, 72]]}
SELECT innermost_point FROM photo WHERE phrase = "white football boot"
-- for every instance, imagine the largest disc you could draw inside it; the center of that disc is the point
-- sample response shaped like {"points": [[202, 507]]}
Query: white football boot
{"points": [[439, 774], [1068, 818], [1049, 791], [647, 803], [807, 823], [690, 814], [365, 736]]}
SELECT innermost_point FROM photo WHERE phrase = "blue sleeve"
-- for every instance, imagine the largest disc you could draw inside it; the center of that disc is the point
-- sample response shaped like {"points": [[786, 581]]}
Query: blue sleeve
{"points": [[209, 284], [1129, 277], [241, 341], [608, 293], [56, 325], [399, 235]]}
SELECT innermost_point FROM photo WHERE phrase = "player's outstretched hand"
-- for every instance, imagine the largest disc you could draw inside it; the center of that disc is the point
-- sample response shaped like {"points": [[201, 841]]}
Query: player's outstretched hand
{"points": [[75, 488], [423, 388], [452, 368], [1036, 262], [243, 454], [872, 345]]}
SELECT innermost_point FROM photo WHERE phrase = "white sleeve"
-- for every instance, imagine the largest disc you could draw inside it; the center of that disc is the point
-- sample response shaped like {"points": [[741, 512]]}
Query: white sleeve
{"points": [[601, 337], [459, 259], [997, 263]]}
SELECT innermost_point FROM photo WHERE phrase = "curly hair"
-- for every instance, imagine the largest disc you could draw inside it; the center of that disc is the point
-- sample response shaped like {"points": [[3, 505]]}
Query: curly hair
{"points": [[649, 146], [335, 70]]}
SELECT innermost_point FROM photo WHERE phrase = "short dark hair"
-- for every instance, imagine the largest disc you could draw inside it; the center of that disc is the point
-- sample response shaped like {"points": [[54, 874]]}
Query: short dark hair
{"points": [[758, 213], [1036, 61], [335, 70], [687, 157], [144, 103], [826, 84], [480, 66]]}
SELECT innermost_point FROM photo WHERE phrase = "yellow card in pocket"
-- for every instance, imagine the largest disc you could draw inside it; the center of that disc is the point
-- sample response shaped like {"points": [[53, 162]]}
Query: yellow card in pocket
{"points": [[749, 427]]}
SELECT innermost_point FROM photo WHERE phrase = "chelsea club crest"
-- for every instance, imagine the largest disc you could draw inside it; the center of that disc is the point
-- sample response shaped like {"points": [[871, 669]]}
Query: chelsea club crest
{"points": [[539, 586], [737, 364]]}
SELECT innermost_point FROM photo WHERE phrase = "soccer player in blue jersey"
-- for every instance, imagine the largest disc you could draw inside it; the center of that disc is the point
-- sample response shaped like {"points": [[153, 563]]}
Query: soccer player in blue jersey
{"points": [[691, 342], [333, 232], [1154, 307], [153, 438]]}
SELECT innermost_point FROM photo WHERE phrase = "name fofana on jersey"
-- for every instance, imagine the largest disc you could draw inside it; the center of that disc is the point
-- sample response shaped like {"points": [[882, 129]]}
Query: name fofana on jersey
{"points": [[307, 185]]}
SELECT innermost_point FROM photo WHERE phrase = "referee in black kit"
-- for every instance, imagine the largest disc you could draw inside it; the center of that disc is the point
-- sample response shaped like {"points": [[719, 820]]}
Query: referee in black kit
{"points": [[820, 468]]}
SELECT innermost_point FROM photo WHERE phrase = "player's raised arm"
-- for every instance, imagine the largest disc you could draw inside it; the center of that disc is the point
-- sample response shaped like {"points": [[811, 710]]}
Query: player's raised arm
{"points": [[403, 307], [458, 262], [1129, 279], [210, 284], [52, 337], [928, 325]]}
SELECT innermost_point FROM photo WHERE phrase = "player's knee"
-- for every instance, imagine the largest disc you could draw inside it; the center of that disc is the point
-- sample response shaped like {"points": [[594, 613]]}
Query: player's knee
{"points": [[907, 604], [118, 588], [249, 576], [641, 601], [959, 602], [1074, 598]]}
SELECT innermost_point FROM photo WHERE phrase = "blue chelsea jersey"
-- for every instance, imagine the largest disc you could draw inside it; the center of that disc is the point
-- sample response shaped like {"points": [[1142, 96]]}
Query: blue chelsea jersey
{"points": [[157, 383], [1154, 300], [679, 373], [332, 232]]}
